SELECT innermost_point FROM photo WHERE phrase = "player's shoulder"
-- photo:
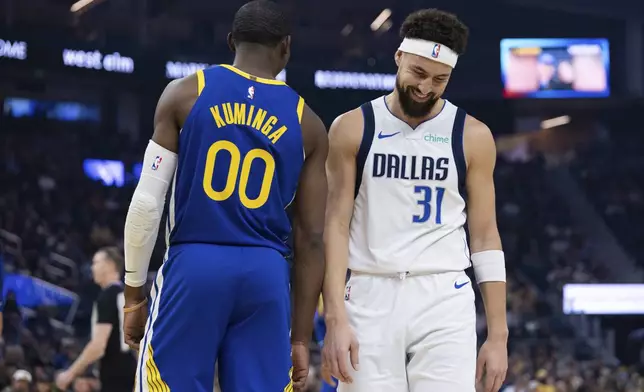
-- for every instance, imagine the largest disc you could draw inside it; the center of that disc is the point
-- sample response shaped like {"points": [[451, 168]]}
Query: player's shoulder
{"points": [[314, 133], [186, 86], [477, 139], [347, 130]]}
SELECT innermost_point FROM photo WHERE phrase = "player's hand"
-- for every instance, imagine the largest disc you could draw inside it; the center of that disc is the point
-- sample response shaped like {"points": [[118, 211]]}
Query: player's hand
{"points": [[339, 343], [493, 363], [300, 357], [64, 380], [134, 323]]}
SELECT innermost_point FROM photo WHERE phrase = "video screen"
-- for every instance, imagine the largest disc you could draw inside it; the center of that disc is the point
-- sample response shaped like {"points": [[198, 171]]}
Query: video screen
{"points": [[110, 173], [53, 110], [555, 68], [602, 299]]}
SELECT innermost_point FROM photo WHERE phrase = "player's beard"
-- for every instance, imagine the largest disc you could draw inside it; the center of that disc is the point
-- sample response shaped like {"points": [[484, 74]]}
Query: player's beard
{"points": [[410, 106]]}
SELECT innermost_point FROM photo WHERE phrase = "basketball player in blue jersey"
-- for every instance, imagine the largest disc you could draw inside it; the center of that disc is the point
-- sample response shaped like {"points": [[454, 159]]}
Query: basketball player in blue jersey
{"points": [[408, 301], [233, 145]]}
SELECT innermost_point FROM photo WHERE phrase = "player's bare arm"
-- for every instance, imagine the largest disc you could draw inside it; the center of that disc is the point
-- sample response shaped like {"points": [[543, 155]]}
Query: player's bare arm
{"points": [[485, 246], [345, 136], [146, 208], [308, 229]]}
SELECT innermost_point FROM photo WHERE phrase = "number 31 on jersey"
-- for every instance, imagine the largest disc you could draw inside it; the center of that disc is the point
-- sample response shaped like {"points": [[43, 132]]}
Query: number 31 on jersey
{"points": [[233, 172], [427, 197]]}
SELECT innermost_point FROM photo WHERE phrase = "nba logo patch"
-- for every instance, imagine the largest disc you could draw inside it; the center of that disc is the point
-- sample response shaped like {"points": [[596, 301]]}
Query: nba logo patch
{"points": [[436, 51], [251, 92], [347, 293], [156, 163]]}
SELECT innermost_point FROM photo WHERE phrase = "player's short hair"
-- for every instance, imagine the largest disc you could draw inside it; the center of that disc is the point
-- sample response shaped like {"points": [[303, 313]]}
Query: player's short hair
{"points": [[113, 254], [261, 22], [437, 26]]}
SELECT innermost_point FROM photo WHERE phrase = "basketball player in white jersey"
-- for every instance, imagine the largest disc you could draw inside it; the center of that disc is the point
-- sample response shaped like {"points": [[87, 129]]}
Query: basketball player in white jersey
{"points": [[406, 172]]}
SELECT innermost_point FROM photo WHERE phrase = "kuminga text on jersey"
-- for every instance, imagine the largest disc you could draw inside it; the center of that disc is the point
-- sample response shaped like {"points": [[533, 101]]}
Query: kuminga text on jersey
{"points": [[410, 167], [229, 113]]}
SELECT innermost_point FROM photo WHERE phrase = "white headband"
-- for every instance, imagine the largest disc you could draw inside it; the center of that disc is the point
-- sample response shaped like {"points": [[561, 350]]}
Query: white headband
{"points": [[429, 49]]}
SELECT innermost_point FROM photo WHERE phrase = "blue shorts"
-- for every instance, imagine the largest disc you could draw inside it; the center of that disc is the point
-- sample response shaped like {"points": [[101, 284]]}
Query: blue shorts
{"points": [[221, 304]]}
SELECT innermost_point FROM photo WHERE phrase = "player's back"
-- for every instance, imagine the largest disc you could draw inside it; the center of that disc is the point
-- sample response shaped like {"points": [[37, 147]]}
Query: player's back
{"points": [[239, 160]]}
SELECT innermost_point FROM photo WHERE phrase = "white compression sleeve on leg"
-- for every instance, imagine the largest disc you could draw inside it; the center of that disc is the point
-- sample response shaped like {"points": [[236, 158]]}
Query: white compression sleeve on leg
{"points": [[144, 214], [489, 266]]}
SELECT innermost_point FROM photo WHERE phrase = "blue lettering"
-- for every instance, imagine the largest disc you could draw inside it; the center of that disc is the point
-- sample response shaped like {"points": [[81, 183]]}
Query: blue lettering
{"points": [[410, 167], [379, 163]]}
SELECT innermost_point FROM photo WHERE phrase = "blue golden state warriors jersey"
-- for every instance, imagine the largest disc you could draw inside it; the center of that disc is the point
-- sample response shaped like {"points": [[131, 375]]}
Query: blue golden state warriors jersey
{"points": [[240, 157]]}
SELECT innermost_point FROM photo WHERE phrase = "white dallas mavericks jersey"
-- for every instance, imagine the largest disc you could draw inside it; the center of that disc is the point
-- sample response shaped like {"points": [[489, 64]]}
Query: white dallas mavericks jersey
{"points": [[409, 211]]}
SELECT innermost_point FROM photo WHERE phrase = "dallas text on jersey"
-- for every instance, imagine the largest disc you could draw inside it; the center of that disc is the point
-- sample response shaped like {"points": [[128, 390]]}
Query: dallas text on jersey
{"points": [[410, 167]]}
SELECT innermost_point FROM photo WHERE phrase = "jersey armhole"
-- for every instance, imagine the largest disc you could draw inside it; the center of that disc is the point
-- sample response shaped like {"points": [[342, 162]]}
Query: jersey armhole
{"points": [[300, 110], [201, 81], [365, 144], [458, 150]]}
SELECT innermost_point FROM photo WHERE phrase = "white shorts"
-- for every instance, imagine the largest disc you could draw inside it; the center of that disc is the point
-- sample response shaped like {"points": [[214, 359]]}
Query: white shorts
{"points": [[416, 333]]}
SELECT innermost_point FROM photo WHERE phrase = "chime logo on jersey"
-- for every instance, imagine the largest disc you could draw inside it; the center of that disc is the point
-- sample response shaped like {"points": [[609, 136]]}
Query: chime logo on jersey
{"points": [[431, 138], [156, 163]]}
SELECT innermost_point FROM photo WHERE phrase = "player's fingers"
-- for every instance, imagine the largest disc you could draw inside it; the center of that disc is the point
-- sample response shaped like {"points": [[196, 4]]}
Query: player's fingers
{"points": [[299, 384], [326, 375], [490, 378], [353, 352], [480, 366], [499, 381], [343, 367], [132, 343], [299, 377], [333, 367]]}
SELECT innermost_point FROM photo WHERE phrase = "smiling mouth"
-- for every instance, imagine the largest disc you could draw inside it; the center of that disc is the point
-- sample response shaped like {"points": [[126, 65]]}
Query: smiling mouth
{"points": [[420, 97]]}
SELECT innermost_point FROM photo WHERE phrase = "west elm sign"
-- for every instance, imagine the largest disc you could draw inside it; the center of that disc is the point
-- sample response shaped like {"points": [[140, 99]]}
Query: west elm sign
{"points": [[16, 50], [110, 62], [180, 69]]}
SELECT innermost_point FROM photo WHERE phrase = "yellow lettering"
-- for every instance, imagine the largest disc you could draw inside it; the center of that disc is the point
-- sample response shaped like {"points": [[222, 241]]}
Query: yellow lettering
{"points": [[275, 136], [214, 110], [250, 114], [269, 125], [240, 113], [228, 113], [259, 119], [235, 113]]}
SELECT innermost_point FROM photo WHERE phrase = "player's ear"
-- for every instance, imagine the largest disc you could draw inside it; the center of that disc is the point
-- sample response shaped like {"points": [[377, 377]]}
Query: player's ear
{"points": [[286, 46], [397, 57], [231, 42]]}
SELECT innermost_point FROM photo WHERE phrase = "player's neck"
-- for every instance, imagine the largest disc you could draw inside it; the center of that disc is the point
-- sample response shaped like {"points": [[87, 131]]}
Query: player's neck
{"points": [[393, 103], [254, 63]]}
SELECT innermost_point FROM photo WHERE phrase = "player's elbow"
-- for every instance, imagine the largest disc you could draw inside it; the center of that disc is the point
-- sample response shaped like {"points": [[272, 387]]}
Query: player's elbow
{"points": [[144, 213], [308, 239]]}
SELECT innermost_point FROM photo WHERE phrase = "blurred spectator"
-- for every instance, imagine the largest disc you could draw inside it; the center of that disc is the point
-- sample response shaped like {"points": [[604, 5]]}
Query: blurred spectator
{"points": [[20, 382]]}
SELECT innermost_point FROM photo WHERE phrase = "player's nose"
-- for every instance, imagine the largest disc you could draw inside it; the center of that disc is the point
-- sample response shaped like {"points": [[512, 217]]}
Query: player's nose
{"points": [[425, 87]]}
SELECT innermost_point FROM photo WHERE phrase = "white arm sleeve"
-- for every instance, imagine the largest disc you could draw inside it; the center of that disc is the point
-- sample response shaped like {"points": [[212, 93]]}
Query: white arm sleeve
{"points": [[144, 214]]}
